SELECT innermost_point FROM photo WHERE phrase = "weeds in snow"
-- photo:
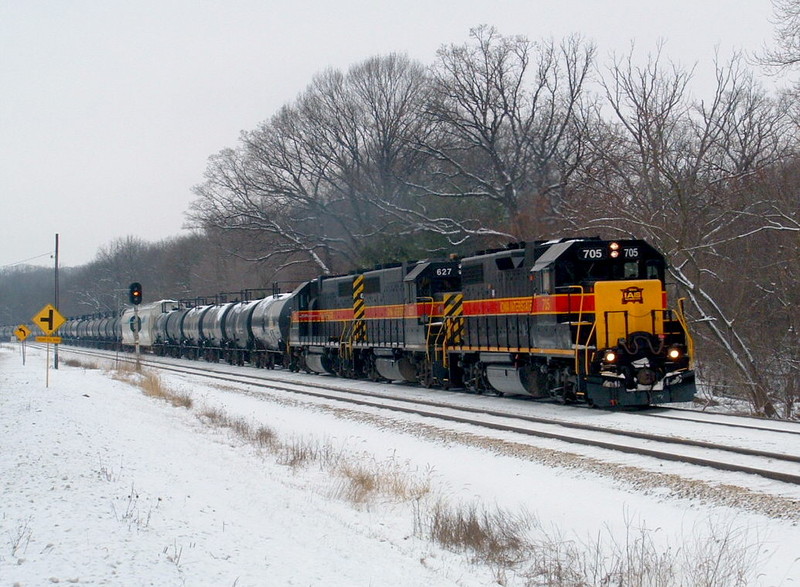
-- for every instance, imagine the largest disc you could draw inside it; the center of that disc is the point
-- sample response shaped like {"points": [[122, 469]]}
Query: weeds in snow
{"points": [[80, 364], [361, 481], [152, 385], [20, 536], [108, 474], [262, 436], [490, 536], [132, 514], [507, 542], [174, 556]]}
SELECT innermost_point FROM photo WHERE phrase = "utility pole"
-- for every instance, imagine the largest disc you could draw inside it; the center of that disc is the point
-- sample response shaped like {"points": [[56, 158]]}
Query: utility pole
{"points": [[55, 352]]}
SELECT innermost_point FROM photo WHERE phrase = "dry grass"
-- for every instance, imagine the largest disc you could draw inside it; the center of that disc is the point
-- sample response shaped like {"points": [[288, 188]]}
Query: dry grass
{"points": [[80, 364], [262, 436], [719, 556], [213, 416], [126, 372], [152, 385], [490, 536], [298, 452], [507, 542], [361, 481]]}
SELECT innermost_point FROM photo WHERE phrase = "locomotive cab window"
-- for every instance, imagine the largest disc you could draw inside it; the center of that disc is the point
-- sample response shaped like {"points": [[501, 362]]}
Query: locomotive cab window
{"points": [[654, 269], [445, 284], [543, 282]]}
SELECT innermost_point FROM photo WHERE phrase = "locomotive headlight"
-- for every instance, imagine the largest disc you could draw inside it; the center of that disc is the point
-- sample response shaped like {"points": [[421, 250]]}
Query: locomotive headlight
{"points": [[674, 354], [610, 356], [614, 247]]}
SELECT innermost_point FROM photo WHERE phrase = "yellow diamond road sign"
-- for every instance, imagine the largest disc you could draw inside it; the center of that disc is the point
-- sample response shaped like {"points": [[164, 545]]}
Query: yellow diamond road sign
{"points": [[48, 319], [22, 332]]}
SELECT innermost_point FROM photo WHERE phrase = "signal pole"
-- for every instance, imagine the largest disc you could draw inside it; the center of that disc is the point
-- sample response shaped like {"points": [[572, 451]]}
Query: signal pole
{"points": [[135, 297], [55, 351]]}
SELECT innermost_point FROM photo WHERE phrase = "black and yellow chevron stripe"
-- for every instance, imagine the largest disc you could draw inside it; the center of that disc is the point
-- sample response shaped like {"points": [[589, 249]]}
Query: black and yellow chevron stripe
{"points": [[359, 309], [454, 318]]}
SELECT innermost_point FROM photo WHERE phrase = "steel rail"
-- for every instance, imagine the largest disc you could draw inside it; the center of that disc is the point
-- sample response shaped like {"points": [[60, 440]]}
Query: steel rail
{"points": [[418, 406]]}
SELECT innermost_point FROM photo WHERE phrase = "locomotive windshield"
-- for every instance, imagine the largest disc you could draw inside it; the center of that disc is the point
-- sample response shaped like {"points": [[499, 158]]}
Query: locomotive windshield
{"points": [[614, 261], [568, 264], [570, 272]]}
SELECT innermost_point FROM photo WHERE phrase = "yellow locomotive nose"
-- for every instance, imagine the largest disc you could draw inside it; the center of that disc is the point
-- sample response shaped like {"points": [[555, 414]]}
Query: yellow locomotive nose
{"points": [[623, 307]]}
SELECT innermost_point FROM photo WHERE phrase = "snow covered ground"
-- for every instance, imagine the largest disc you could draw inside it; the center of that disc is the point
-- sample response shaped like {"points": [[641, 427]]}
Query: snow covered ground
{"points": [[104, 485]]}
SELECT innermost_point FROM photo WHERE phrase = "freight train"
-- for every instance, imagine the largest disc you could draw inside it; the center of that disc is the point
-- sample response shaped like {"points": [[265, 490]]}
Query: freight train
{"points": [[579, 320]]}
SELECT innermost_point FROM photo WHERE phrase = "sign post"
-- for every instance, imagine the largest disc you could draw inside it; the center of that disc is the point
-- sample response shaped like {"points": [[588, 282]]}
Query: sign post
{"points": [[49, 320], [22, 332]]}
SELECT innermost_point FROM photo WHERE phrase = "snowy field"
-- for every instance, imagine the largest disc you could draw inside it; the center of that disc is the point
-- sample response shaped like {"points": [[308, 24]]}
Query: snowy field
{"points": [[104, 485]]}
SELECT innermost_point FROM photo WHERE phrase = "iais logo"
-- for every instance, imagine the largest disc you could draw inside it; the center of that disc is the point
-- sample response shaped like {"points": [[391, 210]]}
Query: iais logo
{"points": [[633, 295]]}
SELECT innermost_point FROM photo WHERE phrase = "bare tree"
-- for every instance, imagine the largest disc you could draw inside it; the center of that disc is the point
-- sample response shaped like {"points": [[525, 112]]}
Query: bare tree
{"points": [[326, 178], [681, 174], [787, 36], [508, 126]]}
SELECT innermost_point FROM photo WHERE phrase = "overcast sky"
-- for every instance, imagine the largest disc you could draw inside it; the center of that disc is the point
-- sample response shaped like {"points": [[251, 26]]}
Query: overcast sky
{"points": [[110, 109]]}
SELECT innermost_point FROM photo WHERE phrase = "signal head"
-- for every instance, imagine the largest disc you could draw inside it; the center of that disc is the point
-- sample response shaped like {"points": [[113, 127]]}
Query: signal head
{"points": [[135, 293]]}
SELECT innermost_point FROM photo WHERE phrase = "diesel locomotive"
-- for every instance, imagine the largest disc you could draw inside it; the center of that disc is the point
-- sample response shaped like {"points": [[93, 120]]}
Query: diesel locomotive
{"points": [[576, 320]]}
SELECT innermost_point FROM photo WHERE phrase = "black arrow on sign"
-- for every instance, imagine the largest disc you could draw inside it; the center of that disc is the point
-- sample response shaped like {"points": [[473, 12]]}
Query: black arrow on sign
{"points": [[47, 320]]}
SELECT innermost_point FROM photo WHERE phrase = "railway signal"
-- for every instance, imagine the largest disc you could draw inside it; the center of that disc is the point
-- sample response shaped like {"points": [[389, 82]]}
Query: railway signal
{"points": [[135, 293]]}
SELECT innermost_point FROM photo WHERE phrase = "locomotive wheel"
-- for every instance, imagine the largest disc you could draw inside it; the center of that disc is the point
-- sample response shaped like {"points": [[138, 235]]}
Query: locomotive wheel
{"points": [[425, 377]]}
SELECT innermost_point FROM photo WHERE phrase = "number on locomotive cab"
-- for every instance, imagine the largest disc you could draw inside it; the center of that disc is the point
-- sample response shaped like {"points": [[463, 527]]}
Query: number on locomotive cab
{"points": [[592, 254]]}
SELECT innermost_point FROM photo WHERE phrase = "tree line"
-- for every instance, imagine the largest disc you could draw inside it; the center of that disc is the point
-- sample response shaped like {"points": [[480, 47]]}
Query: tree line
{"points": [[504, 139]]}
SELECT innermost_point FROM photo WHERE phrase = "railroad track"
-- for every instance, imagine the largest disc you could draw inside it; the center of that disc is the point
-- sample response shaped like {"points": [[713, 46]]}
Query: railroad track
{"points": [[783, 465], [717, 419]]}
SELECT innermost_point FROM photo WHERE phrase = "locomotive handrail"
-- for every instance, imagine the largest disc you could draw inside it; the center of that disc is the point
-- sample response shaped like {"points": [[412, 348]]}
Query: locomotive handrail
{"points": [[428, 324], [685, 325], [580, 319], [442, 334], [346, 340], [586, 348]]}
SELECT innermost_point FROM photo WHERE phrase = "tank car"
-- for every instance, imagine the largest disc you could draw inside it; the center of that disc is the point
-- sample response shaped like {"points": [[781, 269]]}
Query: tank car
{"points": [[214, 336], [169, 332], [269, 327], [192, 329], [240, 336]]}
